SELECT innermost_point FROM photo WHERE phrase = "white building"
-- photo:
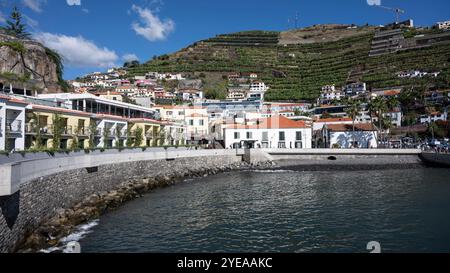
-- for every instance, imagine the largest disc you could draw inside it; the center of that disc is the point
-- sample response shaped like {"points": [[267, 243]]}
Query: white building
{"points": [[190, 94], [417, 74], [237, 93], [434, 117], [197, 127], [12, 124], [111, 131], [276, 132], [341, 136], [355, 89], [396, 117], [258, 86], [330, 93], [443, 25], [96, 105]]}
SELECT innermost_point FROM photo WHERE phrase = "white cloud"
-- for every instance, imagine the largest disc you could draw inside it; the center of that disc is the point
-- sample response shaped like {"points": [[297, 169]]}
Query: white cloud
{"points": [[35, 5], [151, 26], [374, 2], [77, 51], [130, 57], [74, 2]]}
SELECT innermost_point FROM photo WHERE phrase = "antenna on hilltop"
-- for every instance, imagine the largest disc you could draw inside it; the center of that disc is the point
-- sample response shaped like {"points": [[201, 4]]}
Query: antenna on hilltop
{"points": [[294, 20]]}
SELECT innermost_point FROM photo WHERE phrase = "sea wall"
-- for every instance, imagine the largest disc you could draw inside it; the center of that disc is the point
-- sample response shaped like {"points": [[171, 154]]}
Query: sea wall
{"points": [[36, 188], [435, 159], [344, 159], [49, 183]]}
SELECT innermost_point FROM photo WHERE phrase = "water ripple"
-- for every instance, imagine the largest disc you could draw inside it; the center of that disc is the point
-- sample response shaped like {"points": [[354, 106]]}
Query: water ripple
{"points": [[284, 211]]}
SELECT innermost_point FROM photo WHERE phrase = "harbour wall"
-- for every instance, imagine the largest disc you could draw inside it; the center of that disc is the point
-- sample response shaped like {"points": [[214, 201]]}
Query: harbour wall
{"points": [[325, 158], [45, 183], [33, 187], [435, 159]]}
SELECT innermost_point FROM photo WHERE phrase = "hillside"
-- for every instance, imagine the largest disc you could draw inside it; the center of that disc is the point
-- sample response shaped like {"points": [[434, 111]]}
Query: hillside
{"points": [[296, 64], [27, 63]]}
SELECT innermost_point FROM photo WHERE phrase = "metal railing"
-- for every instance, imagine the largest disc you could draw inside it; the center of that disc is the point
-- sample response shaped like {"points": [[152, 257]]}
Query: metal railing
{"points": [[13, 126]]}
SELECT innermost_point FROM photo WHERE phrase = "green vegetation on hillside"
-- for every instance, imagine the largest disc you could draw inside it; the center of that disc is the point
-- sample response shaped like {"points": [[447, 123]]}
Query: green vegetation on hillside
{"points": [[298, 71]]}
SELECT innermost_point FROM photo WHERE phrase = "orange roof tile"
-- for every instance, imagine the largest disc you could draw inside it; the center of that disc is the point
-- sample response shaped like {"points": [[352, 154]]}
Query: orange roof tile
{"points": [[367, 127], [329, 120], [277, 122]]}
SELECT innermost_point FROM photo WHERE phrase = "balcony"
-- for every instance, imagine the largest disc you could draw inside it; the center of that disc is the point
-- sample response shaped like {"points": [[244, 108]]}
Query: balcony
{"points": [[81, 131], [67, 131], [14, 127], [149, 135], [122, 133]]}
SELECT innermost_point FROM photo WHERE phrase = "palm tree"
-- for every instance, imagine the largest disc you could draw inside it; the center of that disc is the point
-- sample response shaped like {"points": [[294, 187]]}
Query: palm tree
{"points": [[378, 107], [353, 110]]}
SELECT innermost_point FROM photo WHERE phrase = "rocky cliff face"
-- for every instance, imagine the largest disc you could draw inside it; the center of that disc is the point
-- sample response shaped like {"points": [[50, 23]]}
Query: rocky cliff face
{"points": [[25, 63]]}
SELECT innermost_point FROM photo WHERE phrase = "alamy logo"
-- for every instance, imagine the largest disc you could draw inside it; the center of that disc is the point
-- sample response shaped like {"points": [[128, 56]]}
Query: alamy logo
{"points": [[374, 247]]}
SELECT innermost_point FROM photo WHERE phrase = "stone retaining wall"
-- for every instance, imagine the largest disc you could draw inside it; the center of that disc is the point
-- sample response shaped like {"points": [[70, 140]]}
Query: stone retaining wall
{"points": [[39, 199]]}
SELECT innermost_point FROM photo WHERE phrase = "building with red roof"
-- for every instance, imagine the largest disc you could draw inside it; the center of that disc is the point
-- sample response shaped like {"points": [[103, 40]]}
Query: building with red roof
{"points": [[274, 132]]}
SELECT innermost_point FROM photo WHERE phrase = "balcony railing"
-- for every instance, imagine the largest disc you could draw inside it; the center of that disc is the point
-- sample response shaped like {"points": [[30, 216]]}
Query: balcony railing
{"points": [[13, 126], [81, 131], [149, 135]]}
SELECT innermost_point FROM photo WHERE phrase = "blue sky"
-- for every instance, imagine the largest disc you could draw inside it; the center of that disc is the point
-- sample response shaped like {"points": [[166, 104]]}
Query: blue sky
{"points": [[95, 34]]}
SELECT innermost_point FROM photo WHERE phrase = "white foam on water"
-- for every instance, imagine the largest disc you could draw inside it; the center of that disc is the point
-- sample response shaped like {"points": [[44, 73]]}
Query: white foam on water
{"points": [[274, 171], [79, 233]]}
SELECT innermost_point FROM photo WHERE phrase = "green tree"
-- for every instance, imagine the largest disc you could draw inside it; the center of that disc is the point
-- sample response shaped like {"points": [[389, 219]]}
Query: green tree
{"points": [[378, 107], [58, 61], [139, 137], [58, 129], [353, 110], [130, 140], [92, 131], [14, 25]]}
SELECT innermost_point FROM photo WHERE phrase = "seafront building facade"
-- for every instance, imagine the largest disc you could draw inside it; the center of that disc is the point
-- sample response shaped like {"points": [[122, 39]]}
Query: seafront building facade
{"points": [[275, 132], [71, 122], [12, 119]]}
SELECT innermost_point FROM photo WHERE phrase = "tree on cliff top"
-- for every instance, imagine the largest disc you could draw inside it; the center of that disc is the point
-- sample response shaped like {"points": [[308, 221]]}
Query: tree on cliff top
{"points": [[14, 25]]}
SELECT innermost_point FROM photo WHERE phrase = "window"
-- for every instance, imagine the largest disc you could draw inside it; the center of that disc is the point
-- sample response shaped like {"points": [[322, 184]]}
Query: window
{"points": [[265, 136], [282, 145], [249, 135], [191, 122], [298, 136], [282, 136], [202, 122], [237, 135]]}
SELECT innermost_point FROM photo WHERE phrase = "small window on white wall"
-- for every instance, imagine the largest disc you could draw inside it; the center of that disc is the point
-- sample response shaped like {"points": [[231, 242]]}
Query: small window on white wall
{"points": [[237, 135]]}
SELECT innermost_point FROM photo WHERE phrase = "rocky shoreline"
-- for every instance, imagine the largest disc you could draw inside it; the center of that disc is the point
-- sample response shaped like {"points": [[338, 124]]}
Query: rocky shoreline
{"points": [[65, 221]]}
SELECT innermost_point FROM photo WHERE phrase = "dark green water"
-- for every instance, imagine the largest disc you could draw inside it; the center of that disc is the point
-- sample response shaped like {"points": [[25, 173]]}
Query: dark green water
{"points": [[404, 210]]}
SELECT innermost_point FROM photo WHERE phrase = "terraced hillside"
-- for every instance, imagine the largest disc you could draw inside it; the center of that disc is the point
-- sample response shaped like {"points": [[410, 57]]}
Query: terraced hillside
{"points": [[297, 71]]}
